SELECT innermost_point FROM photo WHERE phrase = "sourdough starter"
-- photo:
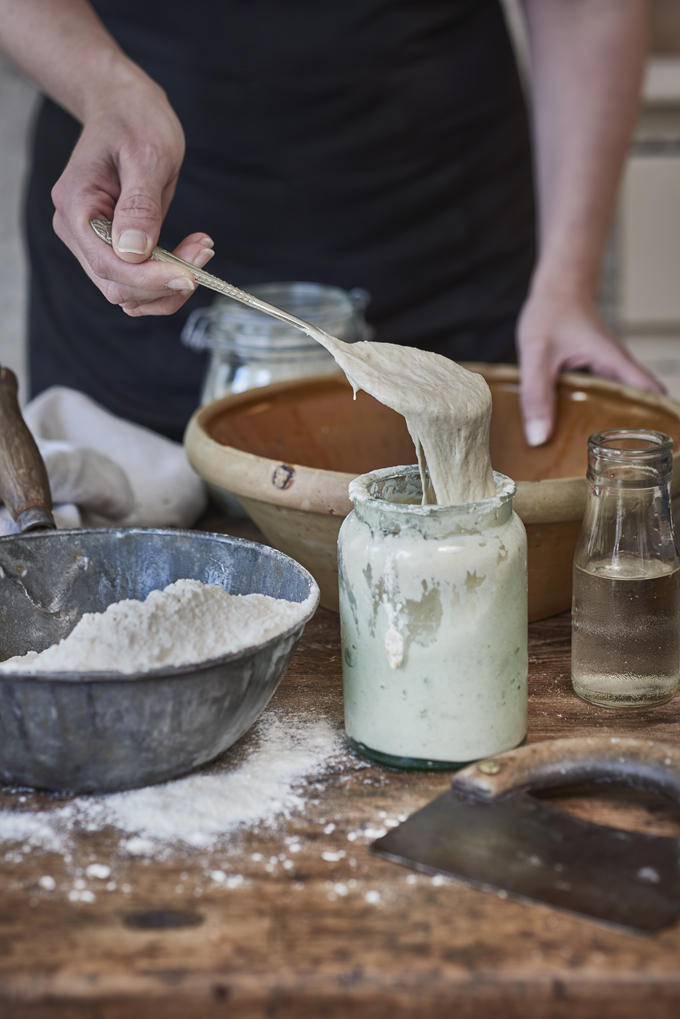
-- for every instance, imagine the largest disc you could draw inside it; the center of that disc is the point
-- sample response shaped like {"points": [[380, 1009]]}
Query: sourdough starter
{"points": [[447, 411], [433, 597]]}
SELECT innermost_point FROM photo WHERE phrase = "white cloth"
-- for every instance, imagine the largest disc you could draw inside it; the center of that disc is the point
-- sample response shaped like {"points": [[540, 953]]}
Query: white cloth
{"points": [[104, 470]]}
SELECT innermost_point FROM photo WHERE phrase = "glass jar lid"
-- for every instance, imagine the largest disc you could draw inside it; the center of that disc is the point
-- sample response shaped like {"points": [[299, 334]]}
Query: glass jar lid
{"points": [[230, 325]]}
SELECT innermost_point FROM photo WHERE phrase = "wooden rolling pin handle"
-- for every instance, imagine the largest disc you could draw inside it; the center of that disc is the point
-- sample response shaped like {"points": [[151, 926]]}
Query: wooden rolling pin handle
{"points": [[24, 485]]}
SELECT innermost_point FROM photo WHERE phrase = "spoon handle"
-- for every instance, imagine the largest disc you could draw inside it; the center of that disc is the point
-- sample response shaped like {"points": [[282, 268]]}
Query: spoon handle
{"points": [[102, 228]]}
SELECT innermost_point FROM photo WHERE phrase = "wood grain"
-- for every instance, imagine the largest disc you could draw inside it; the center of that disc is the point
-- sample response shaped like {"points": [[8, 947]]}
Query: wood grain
{"points": [[24, 485], [290, 944]]}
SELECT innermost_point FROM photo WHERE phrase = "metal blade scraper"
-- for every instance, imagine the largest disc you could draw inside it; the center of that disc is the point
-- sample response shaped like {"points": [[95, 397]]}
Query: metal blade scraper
{"points": [[489, 831]]}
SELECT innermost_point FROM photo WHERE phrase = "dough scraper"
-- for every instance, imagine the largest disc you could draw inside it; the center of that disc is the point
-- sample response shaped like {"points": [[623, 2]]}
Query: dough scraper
{"points": [[489, 831]]}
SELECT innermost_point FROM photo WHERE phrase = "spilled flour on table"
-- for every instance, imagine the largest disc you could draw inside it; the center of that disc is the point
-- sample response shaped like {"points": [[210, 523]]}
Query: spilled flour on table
{"points": [[200, 811]]}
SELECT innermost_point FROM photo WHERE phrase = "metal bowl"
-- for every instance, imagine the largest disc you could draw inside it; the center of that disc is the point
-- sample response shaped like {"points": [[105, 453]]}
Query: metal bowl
{"points": [[106, 731]]}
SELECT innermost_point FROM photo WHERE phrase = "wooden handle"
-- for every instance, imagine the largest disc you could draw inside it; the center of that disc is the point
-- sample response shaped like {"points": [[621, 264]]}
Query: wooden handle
{"points": [[24, 485], [562, 762]]}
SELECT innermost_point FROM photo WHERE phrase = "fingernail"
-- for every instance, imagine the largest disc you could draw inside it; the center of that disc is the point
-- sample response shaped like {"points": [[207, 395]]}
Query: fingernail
{"points": [[181, 283], [537, 432], [207, 242], [202, 258], [133, 241]]}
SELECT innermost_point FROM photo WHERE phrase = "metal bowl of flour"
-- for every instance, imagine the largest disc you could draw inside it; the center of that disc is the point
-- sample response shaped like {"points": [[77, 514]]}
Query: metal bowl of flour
{"points": [[106, 731]]}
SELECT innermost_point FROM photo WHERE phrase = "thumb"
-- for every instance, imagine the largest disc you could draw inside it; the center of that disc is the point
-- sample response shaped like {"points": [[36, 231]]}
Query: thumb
{"points": [[538, 399], [137, 218]]}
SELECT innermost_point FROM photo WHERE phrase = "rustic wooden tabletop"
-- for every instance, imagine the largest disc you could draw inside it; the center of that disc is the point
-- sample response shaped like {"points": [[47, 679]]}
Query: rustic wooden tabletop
{"points": [[299, 919]]}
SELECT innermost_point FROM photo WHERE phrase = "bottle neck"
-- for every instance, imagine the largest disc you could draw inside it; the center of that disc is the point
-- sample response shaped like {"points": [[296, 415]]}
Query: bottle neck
{"points": [[622, 522]]}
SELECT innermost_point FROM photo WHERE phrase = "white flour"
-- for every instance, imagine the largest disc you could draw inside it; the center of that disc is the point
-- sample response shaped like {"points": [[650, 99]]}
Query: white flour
{"points": [[199, 811], [188, 622]]}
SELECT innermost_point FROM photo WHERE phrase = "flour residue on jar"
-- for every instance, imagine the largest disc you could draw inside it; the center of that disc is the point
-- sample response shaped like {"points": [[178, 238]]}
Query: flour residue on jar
{"points": [[415, 613], [411, 599], [433, 614], [408, 618]]}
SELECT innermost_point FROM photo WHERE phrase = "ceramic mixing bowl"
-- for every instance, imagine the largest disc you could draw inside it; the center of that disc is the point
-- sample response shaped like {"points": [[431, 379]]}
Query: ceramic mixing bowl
{"points": [[289, 451]]}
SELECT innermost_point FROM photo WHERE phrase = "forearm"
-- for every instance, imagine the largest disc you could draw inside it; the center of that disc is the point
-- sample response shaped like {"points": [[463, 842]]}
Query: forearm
{"points": [[64, 47], [128, 157], [587, 61]]}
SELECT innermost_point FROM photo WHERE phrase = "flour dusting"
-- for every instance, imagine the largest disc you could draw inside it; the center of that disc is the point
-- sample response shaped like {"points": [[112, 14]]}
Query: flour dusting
{"points": [[199, 811], [188, 622], [198, 808]]}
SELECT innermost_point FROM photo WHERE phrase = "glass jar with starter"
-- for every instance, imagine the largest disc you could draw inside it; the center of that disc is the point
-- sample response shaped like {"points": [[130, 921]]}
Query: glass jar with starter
{"points": [[249, 349], [626, 595], [433, 615]]}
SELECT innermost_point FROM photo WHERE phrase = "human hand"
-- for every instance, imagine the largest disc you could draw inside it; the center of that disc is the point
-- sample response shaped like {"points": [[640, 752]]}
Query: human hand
{"points": [[561, 331], [125, 169]]}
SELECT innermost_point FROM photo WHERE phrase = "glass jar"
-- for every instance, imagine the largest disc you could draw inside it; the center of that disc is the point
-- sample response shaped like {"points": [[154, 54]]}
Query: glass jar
{"points": [[626, 601], [433, 615], [250, 349]]}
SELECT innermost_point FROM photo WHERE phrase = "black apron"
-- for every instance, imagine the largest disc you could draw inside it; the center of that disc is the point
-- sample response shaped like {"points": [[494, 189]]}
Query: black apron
{"points": [[372, 143]]}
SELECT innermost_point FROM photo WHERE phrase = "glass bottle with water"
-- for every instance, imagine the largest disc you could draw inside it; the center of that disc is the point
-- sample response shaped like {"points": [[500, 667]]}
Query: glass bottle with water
{"points": [[626, 600]]}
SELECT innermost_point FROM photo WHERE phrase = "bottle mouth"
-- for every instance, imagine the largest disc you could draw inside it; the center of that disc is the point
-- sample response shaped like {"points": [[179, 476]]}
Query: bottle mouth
{"points": [[630, 456]]}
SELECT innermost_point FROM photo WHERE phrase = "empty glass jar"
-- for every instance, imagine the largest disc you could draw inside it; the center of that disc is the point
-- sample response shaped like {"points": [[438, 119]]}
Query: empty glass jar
{"points": [[249, 349], [626, 601]]}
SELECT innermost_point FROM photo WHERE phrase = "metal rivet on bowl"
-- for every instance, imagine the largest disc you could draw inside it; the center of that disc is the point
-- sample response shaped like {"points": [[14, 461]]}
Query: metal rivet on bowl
{"points": [[162, 919], [283, 476]]}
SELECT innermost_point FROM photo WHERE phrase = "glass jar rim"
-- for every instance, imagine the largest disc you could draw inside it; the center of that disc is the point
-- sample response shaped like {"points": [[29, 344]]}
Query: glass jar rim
{"points": [[229, 326], [249, 349], [506, 489], [326, 299]]}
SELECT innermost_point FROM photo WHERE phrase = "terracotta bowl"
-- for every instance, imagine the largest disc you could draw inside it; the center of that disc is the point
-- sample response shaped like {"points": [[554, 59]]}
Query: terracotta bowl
{"points": [[289, 451]]}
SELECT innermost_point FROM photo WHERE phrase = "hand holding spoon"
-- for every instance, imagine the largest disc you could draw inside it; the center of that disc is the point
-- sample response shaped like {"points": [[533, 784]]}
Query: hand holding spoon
{"points": [[102, 228]]}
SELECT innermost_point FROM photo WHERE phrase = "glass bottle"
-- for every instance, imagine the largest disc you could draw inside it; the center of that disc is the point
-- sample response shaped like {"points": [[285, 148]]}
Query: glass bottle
{"points": [[626, 600], [249, 349], [433, 616]]}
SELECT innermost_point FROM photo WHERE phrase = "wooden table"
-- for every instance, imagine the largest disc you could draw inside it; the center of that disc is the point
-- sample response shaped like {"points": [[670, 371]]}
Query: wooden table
{"points": [[345, 936]]}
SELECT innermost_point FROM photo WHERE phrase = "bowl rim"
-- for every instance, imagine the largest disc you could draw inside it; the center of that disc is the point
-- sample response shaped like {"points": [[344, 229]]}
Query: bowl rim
{"points": [[316, 490]]}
